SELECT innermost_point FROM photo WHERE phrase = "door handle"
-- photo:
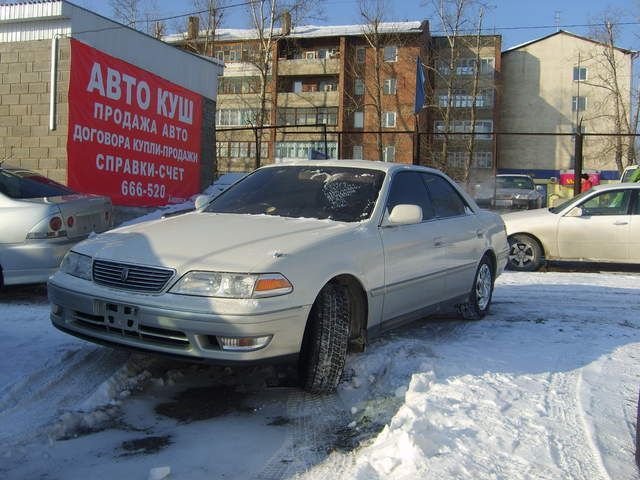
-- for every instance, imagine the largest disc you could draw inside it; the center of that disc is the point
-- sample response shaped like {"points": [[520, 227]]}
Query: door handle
{"points": [[438, 242], [621, 222], [479, 233]]}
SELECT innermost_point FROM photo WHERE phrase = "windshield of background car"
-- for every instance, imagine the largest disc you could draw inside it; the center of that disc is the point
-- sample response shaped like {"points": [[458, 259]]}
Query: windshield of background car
{"points": [[566, 203], [336, 193], [20, 184], [522, 183], [626, 175]]}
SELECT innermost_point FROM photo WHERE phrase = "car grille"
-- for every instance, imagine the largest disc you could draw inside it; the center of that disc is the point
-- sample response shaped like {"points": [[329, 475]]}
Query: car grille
{"points": [[131, 277]]}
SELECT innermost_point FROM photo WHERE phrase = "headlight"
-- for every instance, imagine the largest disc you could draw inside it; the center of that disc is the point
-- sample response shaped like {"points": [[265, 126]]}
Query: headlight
{"points": [[232, 285], [77, 265]]}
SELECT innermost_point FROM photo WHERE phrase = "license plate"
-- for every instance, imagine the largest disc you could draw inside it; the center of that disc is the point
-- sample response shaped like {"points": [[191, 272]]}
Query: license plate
{"points": [[120, 317]]}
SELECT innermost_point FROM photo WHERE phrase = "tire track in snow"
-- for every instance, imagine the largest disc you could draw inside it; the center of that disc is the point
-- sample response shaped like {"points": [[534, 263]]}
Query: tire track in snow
{"points": [[572, 447], [313, 418]]}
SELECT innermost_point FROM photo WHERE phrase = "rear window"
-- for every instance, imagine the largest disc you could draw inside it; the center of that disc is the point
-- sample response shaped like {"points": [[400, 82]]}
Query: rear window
{"points": [[20, 184], [524, 183]]}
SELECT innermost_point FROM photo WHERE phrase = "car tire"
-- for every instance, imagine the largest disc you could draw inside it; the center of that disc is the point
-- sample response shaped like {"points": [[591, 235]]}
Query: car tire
{"points": [[525, 253], [325, 342], [481, 292]]}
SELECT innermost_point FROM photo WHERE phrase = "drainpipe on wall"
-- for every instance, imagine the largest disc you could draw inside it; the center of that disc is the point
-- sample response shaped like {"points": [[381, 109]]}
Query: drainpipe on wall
{"points": [[53, 83]]}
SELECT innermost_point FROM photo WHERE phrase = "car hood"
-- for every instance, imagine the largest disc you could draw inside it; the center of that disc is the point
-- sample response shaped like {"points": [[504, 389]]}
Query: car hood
{"points": [[528, 220], [223, 242]]}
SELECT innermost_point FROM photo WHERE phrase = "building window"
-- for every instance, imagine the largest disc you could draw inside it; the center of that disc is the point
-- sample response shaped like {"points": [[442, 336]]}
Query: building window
{"points": [[287, 150], [357, 152], [358, 119], [442, 67], [358, 87], [483, 128], [389, 87], [390, 53], [237, 117], [465, 66], [578, 104], [389, 119], [458, 159], [307, 116], [486, 65], [579, 74], [483, 159], [360, 54], [389, 153]]}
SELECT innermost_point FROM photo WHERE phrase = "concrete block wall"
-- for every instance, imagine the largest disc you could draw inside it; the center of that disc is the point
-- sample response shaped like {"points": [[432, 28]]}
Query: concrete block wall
{"points": [[25, 138]]}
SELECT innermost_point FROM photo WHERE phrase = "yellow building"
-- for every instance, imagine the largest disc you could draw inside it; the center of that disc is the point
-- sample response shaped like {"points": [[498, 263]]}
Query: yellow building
{"points": [[549, 85]]}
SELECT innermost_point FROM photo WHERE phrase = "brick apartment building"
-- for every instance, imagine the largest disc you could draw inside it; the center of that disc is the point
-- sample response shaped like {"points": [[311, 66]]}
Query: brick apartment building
{"points": [[322, 75], [328, 75]]}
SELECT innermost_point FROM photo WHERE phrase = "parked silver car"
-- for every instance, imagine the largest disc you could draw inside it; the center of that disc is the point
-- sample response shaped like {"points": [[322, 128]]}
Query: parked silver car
{"points": [[298, 260], [509, 191], [40, 220]]}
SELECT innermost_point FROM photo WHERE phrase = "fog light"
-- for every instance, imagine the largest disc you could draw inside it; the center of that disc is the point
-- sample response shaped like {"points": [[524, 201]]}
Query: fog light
{"points": [[243, 344], [56, 309]]}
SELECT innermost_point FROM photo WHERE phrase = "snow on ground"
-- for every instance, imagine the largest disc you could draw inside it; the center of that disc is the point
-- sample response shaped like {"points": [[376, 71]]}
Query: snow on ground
{"points": [[544, 387]]}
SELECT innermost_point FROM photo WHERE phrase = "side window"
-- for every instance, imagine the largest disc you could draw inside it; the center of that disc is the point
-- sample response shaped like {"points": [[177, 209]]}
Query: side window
{"points": [[408, 188], [636, 203], [446, 200], [607, 203]]}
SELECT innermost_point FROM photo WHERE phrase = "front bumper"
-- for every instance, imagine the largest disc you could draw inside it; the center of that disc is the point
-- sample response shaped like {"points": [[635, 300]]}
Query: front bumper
{"points": [[154, 324]]}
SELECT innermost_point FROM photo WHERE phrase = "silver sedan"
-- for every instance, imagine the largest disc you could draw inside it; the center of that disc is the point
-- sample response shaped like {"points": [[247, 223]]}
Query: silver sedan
{"points": [[303, 260], [600, 225], [40, 221]]}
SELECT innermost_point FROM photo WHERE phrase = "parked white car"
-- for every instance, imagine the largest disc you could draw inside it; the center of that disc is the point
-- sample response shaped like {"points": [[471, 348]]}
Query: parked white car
{"points": [[599, 225], [294, 261], [40, 220]]}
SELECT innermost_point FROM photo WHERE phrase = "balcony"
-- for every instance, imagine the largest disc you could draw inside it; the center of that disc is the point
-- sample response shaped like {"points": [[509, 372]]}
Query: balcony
{"points": [[327, 66], [308, 99]]}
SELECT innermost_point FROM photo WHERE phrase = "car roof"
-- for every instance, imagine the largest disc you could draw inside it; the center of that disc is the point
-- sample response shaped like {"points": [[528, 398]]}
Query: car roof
{"points": [[365, 164], [615, 186]]}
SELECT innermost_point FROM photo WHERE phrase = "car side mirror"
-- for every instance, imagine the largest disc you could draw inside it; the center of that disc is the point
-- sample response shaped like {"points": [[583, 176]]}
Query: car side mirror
{"points": [[405, 215], [575, 212], [201, 201]]}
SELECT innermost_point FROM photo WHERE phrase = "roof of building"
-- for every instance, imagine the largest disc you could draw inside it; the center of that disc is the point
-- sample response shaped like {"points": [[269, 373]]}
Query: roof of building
{"points": [[564, 32], [309, 31]]}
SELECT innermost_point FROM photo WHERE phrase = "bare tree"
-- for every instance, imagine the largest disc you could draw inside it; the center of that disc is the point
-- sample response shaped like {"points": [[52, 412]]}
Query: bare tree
{"points": [[138, 14], [457, 81], [615, 106], [210, 15]]}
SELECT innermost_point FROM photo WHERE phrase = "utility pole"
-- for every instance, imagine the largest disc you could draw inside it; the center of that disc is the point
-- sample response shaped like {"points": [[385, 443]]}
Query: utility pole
{"points": [[577, 167]]}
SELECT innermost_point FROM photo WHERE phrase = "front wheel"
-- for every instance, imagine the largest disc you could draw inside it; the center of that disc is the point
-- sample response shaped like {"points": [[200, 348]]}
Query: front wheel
{"points": [[325, 342], [481, 292], [525, 253]]}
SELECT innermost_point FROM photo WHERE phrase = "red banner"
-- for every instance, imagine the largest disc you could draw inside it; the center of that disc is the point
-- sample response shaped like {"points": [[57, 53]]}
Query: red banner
{"points": [[133, 136]]}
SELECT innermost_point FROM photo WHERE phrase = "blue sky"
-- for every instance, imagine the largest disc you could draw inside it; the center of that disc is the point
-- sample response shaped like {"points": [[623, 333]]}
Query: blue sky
{"points": [[506, 15]]}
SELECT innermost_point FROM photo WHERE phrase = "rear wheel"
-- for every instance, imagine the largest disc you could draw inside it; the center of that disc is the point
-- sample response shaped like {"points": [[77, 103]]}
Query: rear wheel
{"points": [[525, 253], [481, 292], [326, 338]]}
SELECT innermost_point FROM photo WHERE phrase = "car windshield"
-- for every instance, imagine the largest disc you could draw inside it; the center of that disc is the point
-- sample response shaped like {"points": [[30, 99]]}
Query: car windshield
{"points": [[20, 184], [523, 183], [336, 193], [566, 203]]}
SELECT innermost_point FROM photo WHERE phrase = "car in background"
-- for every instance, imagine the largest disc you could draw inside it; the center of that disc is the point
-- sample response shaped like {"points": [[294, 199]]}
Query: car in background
{"points": [[41, 220], [509, 191], [294, 261], [599, 225]]}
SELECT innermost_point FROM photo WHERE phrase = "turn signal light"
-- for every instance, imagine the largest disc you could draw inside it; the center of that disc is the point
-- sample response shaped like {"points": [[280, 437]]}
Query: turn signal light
{"points": [[267, 284], [70, 221]]}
